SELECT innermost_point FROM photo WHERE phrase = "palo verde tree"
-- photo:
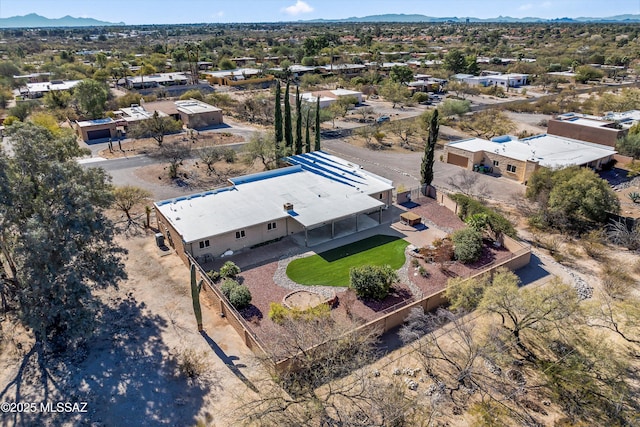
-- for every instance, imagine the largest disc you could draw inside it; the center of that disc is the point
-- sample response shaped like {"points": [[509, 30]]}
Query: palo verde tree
{"points": [[432, 126], [56, 243], [155, 127], [288, 130]]}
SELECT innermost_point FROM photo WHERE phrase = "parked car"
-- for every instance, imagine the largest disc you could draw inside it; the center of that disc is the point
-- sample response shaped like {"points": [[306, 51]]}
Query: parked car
{"points": [[383, 119]]}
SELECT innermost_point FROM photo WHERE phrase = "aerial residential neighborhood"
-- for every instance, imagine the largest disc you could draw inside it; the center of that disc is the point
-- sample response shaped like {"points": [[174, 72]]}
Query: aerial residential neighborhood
{"points": [[320, 213]]}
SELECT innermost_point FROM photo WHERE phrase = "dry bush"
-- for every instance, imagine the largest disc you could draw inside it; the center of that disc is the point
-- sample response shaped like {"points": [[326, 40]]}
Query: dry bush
{"points": [[190, 363]]}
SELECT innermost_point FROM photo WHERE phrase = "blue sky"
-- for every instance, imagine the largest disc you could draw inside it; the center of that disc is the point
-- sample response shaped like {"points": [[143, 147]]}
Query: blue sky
{"points": [[134, 12]]}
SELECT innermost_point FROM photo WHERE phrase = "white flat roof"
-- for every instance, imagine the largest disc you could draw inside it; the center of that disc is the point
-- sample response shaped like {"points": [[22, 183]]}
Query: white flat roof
{"points": [[237, 72], [193, 106], [346, 92], [54, 85], [549, 150], [582, 121], [320, 186], [161, 77]]}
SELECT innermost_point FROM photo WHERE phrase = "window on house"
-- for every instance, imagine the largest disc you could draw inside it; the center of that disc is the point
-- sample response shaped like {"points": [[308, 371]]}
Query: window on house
{"points": [[204, 244], [240, 234], [496, 163], [380, 196], [272, 226], [511, 168]]}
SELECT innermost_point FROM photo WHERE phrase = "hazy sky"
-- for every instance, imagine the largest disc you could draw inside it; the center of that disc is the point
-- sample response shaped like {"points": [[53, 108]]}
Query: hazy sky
{"points": [[197, 11]]}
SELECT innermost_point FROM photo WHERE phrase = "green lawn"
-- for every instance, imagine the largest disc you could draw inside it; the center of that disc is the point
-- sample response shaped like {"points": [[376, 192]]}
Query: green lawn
{"points": [[331, 268]]}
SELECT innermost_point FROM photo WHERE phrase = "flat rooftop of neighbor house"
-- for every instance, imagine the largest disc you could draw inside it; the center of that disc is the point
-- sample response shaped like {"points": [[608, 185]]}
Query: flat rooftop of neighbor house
{"points": [[88, 123], [320, 186], [626, 118], [136, 112], [52, 85], [345, 92], [193, 106], [159, 78], [595, 122], [548, 150], [236, 72]]}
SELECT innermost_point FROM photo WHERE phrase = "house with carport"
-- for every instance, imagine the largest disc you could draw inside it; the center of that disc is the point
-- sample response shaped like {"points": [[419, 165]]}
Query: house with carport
{"points": [[315, 199]]}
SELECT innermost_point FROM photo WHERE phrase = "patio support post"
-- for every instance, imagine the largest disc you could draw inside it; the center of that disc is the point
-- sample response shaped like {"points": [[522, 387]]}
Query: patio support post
{"points": [[333, 229], [356, 222], [306, 237], [380, 215]]}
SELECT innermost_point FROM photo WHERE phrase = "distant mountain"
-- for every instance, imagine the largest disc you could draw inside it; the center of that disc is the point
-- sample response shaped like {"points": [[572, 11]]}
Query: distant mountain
{"points": [[400, 17], [33, 20]]}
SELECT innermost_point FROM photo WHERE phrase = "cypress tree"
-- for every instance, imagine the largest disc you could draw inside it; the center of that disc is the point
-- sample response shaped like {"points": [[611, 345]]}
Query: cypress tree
{"points": [[288, 137], [317, 144], [278, 118], [298, 122], [426, 169], [307, 139], [278, 123]]}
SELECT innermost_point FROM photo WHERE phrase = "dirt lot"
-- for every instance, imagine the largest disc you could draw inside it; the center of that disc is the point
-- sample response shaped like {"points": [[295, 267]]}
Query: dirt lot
{"points": [[130, 374]]}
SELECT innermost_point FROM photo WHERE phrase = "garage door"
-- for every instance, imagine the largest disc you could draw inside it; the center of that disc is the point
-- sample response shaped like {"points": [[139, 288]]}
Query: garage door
{"points": [[458, 160], [99, 134]]}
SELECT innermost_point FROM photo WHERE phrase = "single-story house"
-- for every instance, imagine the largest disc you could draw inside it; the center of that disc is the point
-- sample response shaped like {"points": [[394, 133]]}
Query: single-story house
{"points": [[156, 80], [38, 90], [494, 79], [196, 114], [327, 97], [519, 158], [317, 192], [92, 130], [590, 129]]}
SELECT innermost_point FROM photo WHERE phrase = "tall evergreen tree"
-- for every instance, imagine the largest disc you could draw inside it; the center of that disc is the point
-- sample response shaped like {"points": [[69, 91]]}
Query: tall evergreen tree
{"points": [[298, 146], [278, 115], [317, 142], [307, 138], [426, 169], [288, 134]]}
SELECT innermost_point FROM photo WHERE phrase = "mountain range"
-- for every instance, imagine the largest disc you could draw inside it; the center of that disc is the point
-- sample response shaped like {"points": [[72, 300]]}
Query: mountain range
{"points": [[34, 20], [400, 17]]}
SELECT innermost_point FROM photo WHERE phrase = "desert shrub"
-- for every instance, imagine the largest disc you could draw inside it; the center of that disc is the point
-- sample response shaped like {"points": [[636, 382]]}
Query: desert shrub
{"points": [[371, 281], [190, 364], [420, 97], [229, 269], [228, 286], [240, 297], [278, 313], [229, 155], [423, 272], [213, 275], [468, 245], [469, 207]]}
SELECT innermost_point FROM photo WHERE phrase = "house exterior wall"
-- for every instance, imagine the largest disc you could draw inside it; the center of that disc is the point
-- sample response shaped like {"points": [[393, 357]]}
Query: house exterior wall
{"points": [[83, 132], [253, 235], [171, 235], [201, 120], [602, 136]]}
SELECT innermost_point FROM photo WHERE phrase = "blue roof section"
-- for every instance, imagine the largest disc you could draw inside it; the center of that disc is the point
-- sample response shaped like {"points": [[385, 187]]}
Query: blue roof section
{"points": [[101, 121], [319, 164], [265, 175]]}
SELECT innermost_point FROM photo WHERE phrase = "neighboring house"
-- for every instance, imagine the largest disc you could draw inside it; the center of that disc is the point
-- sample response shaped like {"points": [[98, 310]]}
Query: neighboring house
{"points": [[625, 119], [38, 90], [327, 97], [93, 130], [319, 194], [519, 158], [155, 80], [494, 79], [198, 115], [586, 128]]}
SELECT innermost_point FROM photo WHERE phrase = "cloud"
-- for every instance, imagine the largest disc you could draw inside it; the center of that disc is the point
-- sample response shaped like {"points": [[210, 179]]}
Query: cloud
{"points": [[546, 4], [527, 6], [220, 14], [299, 8]]}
